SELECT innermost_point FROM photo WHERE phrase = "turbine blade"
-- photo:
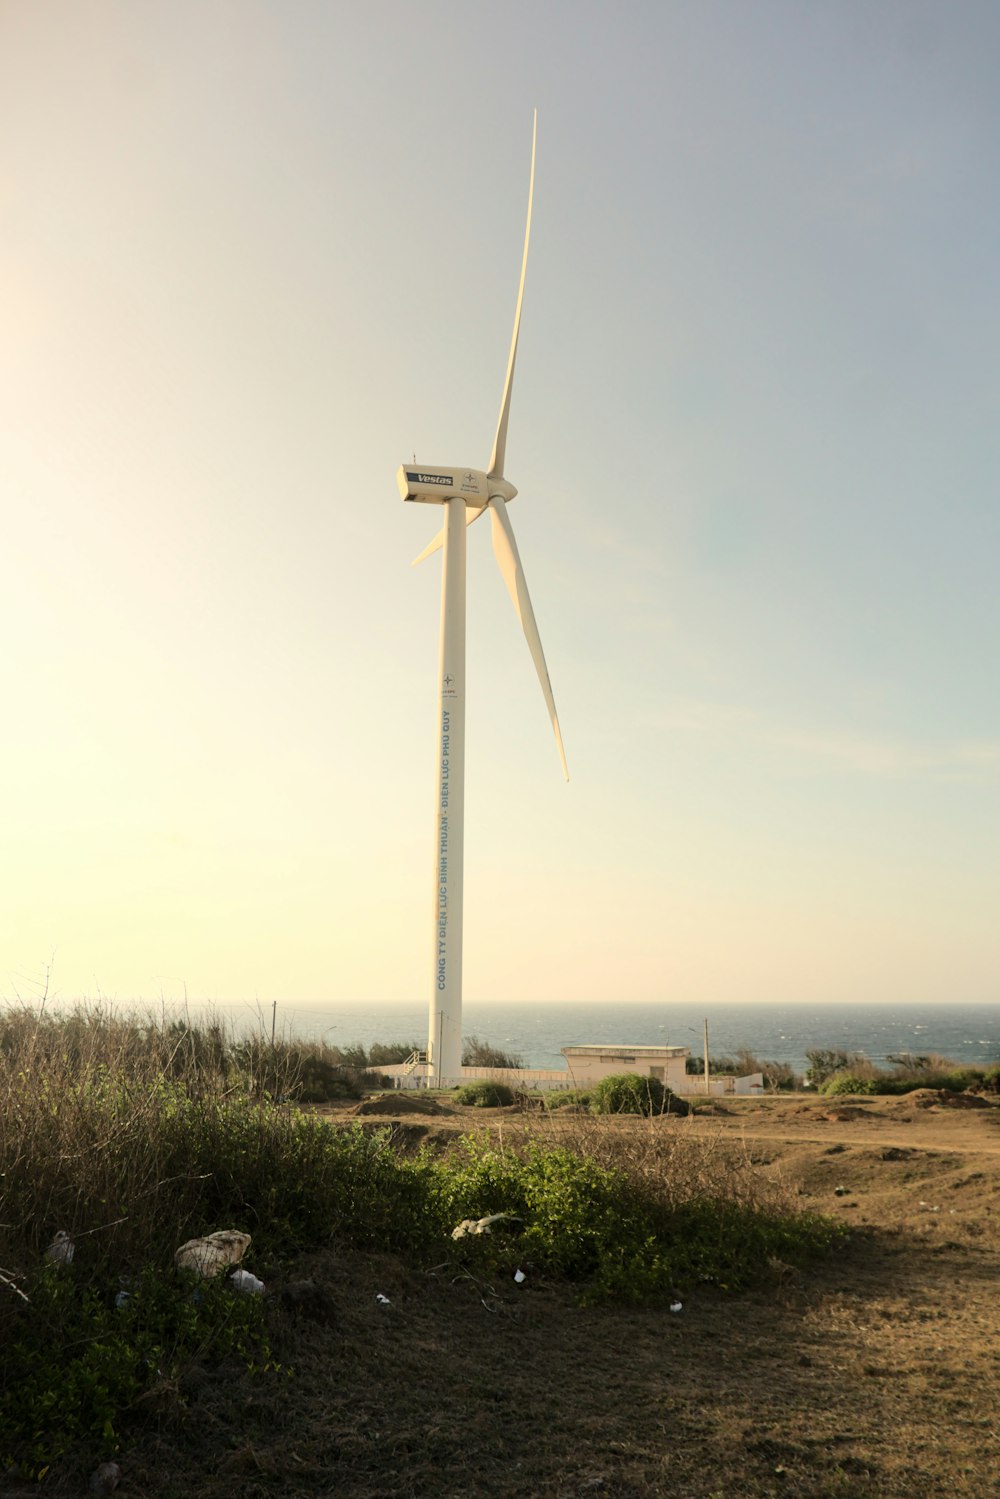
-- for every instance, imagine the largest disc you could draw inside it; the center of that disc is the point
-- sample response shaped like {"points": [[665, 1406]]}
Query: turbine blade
{"points": [[506, 553], [438, 542], [495, 470]]}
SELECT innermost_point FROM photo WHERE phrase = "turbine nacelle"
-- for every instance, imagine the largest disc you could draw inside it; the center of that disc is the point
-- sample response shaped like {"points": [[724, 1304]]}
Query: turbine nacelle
{"points": [[432, 486]]}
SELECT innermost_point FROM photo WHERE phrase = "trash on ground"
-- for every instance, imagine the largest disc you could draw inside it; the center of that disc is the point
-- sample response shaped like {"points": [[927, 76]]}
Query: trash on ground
{"points": [[520, 1276], [840, 1191], [214, 1252], [677, 1306], [62, 1249], [247, 1283], [382, 1300], [470, 1227]]}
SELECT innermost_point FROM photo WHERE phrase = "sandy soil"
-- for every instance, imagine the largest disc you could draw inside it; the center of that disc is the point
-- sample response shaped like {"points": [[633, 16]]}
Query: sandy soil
{"points": [[876, 1375]]}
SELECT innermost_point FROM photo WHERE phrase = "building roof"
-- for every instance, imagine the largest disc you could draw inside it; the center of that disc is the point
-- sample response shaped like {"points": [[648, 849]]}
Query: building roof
{"points": [[616, 1048]]}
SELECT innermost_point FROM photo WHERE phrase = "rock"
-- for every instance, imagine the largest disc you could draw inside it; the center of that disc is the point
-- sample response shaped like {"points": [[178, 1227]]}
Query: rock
{"points": [[105, 1479], [213, 1253]]}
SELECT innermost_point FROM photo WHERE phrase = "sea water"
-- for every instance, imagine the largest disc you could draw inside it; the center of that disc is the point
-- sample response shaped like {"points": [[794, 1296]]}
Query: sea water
{"points": [[968, 1033]]}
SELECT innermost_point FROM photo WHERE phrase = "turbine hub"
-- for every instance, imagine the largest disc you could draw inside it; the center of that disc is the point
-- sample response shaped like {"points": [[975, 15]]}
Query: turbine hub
{"points": [[500, 489]]}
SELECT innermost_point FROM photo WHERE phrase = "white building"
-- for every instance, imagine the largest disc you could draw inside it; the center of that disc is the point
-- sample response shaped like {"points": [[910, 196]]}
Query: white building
{"points": [[668, 1064], [585, 1066]]}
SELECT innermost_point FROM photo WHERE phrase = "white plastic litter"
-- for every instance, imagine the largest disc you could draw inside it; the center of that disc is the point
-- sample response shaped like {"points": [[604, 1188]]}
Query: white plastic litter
{"points": [[382, 1300], [246, 1283], [520, 1276], [62, 1249], [677, 1306], [470, 1227], [214, 1252]]}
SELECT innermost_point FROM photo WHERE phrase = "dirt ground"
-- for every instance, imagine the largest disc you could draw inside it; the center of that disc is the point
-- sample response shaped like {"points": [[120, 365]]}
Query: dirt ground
{"points": [[876, 1374]]}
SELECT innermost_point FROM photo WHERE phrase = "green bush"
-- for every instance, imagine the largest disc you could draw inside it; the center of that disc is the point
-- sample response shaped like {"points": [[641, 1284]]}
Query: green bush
{"points": [[629, 1093], [75, 1362], [485, 1094], [577, 1099], [962, 1079], [825, 1063], [849, 1083], [321, 1081], [592, 1223], [896, 1084]]}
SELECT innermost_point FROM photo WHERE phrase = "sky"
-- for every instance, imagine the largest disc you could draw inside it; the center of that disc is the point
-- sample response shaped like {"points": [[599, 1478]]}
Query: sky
{"points": [[254, 254]]}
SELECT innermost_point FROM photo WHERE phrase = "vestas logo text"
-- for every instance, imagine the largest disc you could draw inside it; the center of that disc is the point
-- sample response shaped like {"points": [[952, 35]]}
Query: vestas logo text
{"points": [[429, 478]]}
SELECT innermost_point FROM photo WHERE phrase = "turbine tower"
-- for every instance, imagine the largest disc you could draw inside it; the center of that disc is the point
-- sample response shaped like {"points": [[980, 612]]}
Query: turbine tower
{"points": [[466, 494]]}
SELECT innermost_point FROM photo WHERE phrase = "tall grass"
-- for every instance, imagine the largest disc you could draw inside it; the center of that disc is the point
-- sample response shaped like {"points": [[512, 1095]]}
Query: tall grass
{"points": [[132, 1137]]}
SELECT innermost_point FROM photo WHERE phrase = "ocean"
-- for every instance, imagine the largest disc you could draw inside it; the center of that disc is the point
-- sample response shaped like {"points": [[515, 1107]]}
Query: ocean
{"points": [[968, 1033]]}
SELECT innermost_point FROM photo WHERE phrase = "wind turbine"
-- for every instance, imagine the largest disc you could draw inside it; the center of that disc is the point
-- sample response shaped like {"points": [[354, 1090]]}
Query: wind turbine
{"points": [[466, 494]]}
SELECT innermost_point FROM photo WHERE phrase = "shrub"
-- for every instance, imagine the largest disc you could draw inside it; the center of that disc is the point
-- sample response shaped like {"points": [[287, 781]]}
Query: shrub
{"points": [[476, 1053], [629, 1093], [485, 1094], [577, 1099], [897, 1083], [320, 1081], [962, 1079], [379, 1054], [848, 1083], [386, 1053], [77, 1360], [590, 1222]]}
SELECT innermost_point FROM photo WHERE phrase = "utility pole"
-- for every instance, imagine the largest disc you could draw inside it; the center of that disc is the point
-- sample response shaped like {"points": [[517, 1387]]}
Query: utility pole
{"points": [[707, 1085], [274, 1017]]}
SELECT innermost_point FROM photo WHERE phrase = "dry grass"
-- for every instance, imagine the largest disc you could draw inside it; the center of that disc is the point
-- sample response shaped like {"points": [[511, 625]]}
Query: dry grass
{"points": [[664, 1155]]}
